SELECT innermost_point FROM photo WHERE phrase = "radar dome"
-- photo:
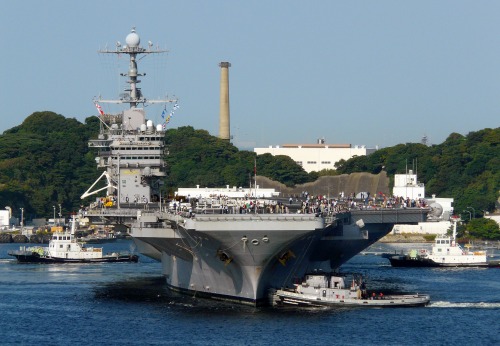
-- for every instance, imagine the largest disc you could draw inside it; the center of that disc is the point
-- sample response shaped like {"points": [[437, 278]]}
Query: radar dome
{"points": [[132, 39]]}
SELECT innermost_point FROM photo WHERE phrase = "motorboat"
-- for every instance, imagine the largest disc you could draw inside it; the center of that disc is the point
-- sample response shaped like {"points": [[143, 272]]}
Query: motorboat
{"points": [[445, 252], [332, 290], [64, 248]]}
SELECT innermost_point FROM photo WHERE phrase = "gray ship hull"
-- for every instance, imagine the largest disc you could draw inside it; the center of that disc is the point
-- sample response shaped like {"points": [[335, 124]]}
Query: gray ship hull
{"points": [[240, 257]]}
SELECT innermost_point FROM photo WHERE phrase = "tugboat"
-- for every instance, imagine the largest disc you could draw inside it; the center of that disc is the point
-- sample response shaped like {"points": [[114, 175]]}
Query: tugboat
{"points": [[64, 248], [445, 252], [323, 290]]}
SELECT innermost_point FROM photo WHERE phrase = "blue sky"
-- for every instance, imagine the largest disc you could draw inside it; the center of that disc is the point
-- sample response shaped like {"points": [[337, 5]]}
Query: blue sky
{"points": [[359, 72]]}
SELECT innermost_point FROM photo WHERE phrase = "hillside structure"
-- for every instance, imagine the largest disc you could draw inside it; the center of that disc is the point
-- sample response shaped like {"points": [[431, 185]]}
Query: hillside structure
{"points": [[438, 221], [319, 156]]}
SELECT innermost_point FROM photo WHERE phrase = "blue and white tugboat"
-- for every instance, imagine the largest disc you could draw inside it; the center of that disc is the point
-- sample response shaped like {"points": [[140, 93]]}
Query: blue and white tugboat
{"points": [[330, 290], [64, 248], [445, 252]]}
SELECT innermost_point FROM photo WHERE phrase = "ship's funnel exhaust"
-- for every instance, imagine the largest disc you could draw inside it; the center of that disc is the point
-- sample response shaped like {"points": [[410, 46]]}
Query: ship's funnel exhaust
{"points": [[224, 101]]}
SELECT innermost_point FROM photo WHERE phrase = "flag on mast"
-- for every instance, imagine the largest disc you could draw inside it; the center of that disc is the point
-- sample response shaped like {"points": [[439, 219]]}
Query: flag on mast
{"points": [[99, 109]]}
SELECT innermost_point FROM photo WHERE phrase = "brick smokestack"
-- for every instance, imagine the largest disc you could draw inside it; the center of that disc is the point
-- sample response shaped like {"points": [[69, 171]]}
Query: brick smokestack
{"points": [[224, 101]]}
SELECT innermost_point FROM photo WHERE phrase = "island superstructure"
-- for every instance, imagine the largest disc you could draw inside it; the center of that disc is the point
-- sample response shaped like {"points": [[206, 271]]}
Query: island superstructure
{"points": [[229, 256], [130, 148]]}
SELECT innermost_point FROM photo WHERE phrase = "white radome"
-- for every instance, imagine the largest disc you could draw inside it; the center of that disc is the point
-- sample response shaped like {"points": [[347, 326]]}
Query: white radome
{"points": [[132, 39]]}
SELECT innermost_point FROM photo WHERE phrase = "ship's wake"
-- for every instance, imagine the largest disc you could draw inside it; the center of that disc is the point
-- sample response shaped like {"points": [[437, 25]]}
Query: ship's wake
{"points": [[468, 305]]}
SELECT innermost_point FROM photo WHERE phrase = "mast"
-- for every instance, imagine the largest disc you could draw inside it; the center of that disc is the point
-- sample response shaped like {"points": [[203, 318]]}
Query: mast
{"points": [[133, 49], [73, 225], [255, 182], [454, 231], [130, 147]]}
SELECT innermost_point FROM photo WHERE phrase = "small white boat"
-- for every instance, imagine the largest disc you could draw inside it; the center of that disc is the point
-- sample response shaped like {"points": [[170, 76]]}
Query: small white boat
{"points": [[445, 252], [325, 290], [64, 248]]}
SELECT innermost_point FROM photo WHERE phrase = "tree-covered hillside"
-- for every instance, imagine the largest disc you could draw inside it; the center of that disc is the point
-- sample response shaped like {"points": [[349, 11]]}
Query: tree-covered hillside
{"points": [[46, 161], [197, 158], [466, 168]]}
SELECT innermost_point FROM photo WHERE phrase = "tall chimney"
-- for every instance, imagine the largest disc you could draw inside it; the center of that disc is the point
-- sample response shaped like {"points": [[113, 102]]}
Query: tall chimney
{"points": [[224, 101]]}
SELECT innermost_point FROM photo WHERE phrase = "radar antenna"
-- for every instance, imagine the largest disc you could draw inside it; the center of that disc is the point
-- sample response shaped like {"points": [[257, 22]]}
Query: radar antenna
{"points": [[132, 48]]}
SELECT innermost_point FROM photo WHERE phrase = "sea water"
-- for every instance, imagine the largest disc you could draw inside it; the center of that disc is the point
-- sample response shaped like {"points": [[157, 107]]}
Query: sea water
{"points": [[128, 304]]}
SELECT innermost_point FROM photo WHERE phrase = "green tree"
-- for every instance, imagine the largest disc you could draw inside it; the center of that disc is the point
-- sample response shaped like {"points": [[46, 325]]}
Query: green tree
{"points": [[483, 228], [281, 168], [43, 162]]}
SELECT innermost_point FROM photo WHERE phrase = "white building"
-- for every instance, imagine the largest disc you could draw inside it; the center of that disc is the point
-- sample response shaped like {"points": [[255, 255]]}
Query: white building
{"points": [[406, 185], [438, 220], [316, 157], [4, 219]]}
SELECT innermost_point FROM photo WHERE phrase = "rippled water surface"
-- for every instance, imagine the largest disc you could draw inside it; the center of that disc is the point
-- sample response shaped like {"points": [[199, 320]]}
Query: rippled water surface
{"points": [[128, 304]]}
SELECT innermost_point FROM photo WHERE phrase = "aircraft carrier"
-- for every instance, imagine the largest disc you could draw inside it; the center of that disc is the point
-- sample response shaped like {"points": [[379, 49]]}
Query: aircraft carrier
{"points": [[228, 256]]}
